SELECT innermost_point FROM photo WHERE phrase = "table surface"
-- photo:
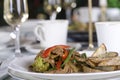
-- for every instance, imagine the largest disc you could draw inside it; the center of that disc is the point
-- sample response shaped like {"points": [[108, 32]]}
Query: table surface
{"points": [[3, 73]]}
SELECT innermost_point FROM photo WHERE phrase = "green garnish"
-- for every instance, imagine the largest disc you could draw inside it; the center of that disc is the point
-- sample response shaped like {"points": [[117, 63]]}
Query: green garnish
{"points": [[68, 57]]}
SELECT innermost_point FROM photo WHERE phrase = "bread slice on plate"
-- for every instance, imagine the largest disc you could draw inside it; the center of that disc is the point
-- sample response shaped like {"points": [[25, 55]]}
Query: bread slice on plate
{"points": [[100, 50], [112, 62]]}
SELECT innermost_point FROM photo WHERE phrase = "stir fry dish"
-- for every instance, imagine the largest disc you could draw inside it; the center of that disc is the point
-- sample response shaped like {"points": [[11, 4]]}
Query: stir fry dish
{"points": [[64, 59]]}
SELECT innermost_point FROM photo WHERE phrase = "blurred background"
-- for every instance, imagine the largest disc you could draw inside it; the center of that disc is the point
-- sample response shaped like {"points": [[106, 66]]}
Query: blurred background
{"points": [[76, 12], [36, 9]]}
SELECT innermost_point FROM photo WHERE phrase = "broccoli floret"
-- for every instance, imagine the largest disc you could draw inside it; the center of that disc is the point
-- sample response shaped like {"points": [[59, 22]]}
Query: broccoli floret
{"points": [[39, 65]]}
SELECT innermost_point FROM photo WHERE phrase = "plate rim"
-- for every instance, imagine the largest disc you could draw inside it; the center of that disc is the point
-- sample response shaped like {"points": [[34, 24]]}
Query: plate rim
{"points": [[116, 73]]}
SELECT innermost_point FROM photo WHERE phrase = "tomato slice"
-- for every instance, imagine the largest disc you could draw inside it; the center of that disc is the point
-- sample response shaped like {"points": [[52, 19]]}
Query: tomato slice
{"points": [[47, 52]]}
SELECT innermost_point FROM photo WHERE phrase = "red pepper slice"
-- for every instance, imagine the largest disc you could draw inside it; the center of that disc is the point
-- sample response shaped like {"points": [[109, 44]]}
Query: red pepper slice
{"points": [[47, 52], [64, 56], [58, 65]]}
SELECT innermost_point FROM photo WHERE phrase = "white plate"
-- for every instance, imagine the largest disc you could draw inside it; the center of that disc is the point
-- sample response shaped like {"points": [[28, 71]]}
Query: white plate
{"points": [[35, 48], [19, 68]]}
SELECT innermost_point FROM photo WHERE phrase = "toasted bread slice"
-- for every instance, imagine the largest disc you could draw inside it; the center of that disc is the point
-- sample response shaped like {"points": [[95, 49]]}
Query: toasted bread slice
{"points": [[107, 68], [100, 50], [80, 59], [87, 69], [112, 62], [118, 67], [110, 54], [98, 59], [103, 57], [90, 63]]}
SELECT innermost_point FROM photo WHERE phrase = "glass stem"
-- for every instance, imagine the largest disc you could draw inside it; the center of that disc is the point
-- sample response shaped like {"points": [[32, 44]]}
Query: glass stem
{"points": [[17, 42], [91, 46]]}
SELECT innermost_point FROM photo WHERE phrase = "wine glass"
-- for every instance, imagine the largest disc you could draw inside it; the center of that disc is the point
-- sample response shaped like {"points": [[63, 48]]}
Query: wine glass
{"points": [[69, 5], [52, 7], [15, 13]]}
